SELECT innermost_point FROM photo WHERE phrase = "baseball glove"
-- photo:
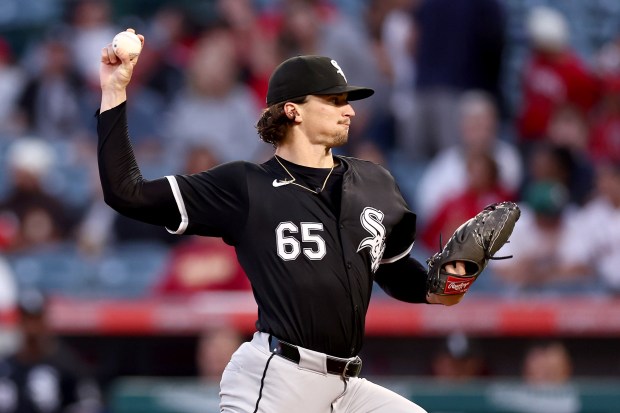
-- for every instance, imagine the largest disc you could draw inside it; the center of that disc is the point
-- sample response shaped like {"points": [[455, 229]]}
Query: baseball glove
{"points": [[475, 242]]}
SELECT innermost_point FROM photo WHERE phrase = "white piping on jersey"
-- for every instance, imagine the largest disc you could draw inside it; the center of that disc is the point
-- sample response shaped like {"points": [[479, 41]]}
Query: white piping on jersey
{"points": [[398, 257], [176, 191]]}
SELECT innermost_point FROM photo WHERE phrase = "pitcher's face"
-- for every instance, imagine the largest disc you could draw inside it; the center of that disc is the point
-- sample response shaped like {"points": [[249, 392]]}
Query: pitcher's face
{"points": [[325, 119]]}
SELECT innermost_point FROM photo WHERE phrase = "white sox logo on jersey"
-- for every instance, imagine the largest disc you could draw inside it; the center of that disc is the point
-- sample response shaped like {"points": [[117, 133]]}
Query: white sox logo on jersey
{"points": [[371, 220]]}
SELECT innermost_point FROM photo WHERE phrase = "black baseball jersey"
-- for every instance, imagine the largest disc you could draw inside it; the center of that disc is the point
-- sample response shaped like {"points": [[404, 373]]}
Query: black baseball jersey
{"points": [[311, 257], [311, 267]]}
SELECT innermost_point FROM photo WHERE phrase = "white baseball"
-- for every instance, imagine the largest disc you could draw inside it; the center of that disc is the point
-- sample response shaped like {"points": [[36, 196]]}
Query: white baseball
{"points": [[129, 42]]}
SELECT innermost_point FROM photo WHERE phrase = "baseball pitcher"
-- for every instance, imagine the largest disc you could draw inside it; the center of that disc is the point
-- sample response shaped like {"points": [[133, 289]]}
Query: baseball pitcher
{"points": [[312, 231]]}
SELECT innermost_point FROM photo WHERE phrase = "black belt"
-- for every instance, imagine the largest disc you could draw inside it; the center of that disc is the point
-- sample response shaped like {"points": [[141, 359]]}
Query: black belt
{"points": [[334, 365]]}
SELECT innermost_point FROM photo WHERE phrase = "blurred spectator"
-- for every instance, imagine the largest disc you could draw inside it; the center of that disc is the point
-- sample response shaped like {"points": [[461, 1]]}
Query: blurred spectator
{"points": [[314, 27], [214, 108], [547, 383], [8, 289], [592, 243], [535, 265], [391, 58], [199, 158], [51, 101], [165, 57], [459, 359], [398, 34], [94, 231], [604, 140], [42, 375], [158, 80], [303, 26], [38, 218], [548, 162], [459, 47], [568, 131], [547, 209], [446, 174], [255, 43], [554, 75], [482, 189], [201, 264], [216, 345], [90, 28], [547, 363], [11, 83]]}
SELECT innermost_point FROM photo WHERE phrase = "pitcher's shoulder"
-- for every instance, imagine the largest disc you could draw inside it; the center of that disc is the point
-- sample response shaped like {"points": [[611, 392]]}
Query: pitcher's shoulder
{"points": [[363, 166]]}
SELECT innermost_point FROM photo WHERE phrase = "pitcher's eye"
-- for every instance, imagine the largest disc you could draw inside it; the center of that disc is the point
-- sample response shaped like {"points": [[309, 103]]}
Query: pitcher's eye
{"points": [[338, 100]]}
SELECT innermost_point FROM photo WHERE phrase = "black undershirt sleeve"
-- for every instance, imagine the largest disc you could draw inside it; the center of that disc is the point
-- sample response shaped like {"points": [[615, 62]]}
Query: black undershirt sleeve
{"points": [[124, 188], [404, 280]]}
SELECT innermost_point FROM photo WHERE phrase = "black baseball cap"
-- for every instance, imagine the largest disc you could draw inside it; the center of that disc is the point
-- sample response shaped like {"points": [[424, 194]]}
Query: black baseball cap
{"points": [[311, 75]]}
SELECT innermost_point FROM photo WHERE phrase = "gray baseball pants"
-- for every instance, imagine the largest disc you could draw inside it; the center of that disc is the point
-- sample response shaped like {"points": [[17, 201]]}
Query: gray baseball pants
{"points": [[256, 380]]}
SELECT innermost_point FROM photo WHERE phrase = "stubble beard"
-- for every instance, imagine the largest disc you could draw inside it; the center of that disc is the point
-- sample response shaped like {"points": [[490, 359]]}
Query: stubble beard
{"points": [[340, 139]]}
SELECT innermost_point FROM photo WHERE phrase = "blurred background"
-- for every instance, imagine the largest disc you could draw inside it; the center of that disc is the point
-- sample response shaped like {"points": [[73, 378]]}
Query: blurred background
{"points": [[476, 101]]}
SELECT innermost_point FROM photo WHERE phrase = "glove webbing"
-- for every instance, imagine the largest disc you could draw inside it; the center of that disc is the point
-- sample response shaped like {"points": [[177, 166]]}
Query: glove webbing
{"points": [[485, 255]]}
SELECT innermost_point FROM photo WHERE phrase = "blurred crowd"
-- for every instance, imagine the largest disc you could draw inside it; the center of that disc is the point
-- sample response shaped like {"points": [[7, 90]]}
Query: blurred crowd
{"points": [[477, 101]]}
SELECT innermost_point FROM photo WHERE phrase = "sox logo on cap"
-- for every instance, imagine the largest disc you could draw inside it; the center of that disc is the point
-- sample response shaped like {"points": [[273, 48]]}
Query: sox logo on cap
{"points": [[335, 64]]}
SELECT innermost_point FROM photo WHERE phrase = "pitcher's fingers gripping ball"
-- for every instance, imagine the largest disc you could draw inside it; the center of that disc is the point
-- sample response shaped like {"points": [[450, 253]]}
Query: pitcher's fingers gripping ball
{"points": [[129, 42], [475, 243]]}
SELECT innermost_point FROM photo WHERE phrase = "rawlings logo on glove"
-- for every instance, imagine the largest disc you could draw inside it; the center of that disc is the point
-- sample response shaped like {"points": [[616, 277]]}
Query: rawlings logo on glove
{"points": [[474, 243], [457, 285]]}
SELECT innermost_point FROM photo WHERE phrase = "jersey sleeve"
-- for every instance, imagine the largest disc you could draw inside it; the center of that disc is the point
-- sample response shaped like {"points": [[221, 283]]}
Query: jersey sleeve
{"points": [[212, 203], [399, 241], [400, 275]]}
